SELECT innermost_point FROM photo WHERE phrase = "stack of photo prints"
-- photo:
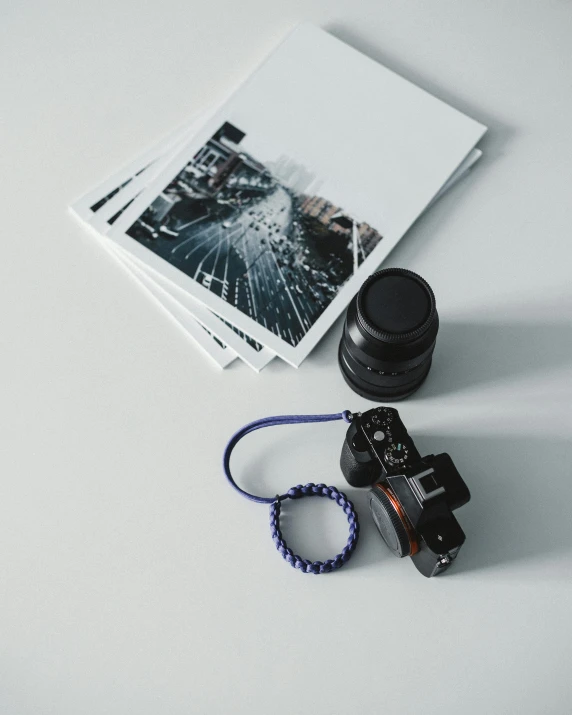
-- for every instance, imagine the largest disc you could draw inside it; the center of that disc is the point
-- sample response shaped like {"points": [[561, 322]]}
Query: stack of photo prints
{"points": [[256, 225]]}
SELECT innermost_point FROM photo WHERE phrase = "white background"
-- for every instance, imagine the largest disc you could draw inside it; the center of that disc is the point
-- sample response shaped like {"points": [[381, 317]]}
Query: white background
{"points": [[132, 579]]}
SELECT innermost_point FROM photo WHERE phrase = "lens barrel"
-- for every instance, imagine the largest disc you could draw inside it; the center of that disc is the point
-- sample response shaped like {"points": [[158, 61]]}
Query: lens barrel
{"points": [[389, 335]]}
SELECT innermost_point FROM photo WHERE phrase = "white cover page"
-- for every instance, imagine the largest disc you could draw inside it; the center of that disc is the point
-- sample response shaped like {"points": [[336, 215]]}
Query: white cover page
{"points": [[296, 190]]}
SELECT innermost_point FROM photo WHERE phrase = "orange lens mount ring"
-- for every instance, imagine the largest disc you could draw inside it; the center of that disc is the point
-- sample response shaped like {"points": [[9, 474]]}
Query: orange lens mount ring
{"points": [[414, 546]]}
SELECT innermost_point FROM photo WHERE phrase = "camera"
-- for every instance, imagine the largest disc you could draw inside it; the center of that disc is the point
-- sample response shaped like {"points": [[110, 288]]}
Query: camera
{"points": [[412, 498]]}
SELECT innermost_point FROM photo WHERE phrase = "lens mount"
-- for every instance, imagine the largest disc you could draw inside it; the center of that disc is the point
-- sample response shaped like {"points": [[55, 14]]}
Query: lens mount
{"points": [[391, 521]]}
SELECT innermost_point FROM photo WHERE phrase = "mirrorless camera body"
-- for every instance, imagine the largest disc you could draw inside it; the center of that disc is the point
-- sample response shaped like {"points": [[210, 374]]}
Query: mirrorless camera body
{"points": [[411, 499]]}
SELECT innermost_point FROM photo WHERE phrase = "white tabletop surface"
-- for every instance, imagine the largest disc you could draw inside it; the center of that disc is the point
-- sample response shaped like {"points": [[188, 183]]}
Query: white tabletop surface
{"points": [[133, 580]]}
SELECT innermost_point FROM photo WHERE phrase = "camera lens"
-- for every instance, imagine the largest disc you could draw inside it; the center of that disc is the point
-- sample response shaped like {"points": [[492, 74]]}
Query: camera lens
{"points": [[389, 335]]}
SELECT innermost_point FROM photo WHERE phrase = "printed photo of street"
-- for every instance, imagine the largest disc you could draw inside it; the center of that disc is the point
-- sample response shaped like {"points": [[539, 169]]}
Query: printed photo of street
{"points": [[259, 235]]}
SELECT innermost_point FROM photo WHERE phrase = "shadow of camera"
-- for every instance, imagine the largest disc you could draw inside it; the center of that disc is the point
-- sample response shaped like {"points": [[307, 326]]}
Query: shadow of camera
{"points": [[521, 491]]}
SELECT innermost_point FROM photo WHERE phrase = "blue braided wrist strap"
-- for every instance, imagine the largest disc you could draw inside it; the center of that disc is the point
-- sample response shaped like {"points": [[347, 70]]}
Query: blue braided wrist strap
{"points": [[321, 490], [305, 565]]}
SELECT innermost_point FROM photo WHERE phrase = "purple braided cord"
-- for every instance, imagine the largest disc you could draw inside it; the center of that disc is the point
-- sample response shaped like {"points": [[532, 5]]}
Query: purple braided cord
{"points": [[305, 565], [321, 490], [346, 415]]}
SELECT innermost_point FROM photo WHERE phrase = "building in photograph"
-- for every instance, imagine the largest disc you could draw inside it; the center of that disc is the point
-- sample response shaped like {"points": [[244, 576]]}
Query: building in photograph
{"points": [[221, 164], [325, 212], [294, 176]]}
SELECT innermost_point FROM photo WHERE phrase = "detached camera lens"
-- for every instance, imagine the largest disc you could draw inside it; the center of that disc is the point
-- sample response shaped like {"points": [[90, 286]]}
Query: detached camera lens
{"points": [[389, 335]]}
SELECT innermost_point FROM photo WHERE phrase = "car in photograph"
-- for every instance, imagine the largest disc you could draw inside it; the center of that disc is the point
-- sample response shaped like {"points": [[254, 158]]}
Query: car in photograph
{"points": [[168, 233]]}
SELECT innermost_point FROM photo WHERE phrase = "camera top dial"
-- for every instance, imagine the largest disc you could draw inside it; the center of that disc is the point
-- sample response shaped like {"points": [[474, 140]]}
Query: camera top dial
{"points": [[396, 454], [388, 439]]}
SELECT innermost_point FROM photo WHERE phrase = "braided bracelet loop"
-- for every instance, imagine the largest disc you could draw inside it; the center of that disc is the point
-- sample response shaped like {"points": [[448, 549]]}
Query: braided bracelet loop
{"points": [[318, 490]]}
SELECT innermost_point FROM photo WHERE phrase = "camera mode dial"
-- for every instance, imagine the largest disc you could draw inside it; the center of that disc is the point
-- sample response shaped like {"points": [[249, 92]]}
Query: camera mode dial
{"points": [[396, 454]]}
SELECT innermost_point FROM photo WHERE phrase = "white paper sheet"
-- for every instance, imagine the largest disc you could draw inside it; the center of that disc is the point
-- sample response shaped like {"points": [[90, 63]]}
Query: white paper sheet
{"points": [[356, 136]]}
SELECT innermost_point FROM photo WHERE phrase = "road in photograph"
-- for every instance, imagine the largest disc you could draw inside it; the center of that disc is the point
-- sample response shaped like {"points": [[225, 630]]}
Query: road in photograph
{"points": [[244, 255]]}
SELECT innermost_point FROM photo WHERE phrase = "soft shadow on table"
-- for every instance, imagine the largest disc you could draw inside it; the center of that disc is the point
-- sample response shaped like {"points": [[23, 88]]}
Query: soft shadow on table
{"points": [[521, 491], [472, 354]]}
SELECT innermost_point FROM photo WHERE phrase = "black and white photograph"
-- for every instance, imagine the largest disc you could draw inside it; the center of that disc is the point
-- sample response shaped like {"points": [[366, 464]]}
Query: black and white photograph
{"points": [[258, 234]]}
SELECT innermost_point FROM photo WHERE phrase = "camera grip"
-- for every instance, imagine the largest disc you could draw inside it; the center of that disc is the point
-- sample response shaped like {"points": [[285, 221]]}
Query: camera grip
{"points": [[358, 466]]}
